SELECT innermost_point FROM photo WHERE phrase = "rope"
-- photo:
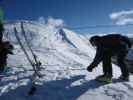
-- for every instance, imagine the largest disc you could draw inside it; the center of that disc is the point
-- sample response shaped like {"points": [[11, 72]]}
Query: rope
{"points": [[45, 69], [68, 69]]}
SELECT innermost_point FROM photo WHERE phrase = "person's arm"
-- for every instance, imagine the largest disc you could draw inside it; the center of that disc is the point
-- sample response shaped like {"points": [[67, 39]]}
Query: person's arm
{"points": [[98, 58]]}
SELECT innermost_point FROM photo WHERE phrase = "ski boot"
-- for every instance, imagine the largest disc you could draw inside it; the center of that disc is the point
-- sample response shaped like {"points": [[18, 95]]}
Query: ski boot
{"points": [[124, 78], [104, 79]]}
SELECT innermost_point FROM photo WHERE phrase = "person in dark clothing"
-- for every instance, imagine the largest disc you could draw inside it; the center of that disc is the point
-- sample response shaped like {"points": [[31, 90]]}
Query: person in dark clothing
{"points": [[5, 49], [5, 46], [106, 47]]}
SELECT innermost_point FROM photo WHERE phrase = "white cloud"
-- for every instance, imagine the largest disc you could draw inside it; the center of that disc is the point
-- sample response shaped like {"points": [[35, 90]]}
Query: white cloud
{"points": [[125, 21], [41, 20], [122, 17], [50, 21], [55, 22]]}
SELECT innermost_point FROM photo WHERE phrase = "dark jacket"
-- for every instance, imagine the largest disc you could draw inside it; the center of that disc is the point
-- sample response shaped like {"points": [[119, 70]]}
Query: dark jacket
{"points": [[111, 45]]}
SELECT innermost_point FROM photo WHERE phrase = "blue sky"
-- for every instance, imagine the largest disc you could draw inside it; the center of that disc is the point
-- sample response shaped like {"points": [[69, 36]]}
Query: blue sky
{"points": [[74, 13]]}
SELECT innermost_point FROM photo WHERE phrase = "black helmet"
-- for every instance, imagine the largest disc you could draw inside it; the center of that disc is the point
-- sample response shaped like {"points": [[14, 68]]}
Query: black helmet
{"points": [[94, 40]]}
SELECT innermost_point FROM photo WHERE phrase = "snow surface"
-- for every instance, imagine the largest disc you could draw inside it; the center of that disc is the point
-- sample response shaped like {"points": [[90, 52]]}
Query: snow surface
{"points": [[65, 58]]}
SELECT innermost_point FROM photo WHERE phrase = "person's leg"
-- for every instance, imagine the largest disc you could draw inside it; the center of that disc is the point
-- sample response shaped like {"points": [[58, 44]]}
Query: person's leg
{"points": [[122, 65], [107, 66], [2, 67], [107, 70]]}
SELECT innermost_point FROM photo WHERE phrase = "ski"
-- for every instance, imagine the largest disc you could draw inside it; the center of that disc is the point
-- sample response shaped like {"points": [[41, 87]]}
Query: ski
{"points": [[26, 54], [37, 62]]}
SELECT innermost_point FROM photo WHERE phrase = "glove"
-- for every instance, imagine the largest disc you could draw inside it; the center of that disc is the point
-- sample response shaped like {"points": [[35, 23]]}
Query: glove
{"points": [[89, 68]]}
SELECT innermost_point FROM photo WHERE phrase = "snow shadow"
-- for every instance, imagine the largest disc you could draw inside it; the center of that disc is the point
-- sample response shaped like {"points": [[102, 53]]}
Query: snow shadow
{"points": [[54, 90]]}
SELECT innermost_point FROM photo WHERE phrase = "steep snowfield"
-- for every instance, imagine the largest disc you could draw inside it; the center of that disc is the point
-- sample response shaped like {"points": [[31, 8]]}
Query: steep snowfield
{"points": [[65, 56]]}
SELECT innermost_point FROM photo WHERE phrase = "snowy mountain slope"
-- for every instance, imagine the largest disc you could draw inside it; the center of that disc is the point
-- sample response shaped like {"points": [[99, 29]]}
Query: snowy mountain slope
{"points": [[65, 58], [79, 43], [47, 36]]}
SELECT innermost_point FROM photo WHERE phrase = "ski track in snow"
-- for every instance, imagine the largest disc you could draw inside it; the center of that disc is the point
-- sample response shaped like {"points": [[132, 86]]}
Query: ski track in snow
{"points": [[59, 81]]}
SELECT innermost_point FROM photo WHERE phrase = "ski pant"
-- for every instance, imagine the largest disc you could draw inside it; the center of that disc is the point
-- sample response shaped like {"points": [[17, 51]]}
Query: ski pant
{"points": [[3, 64], [2, 67], [107, 66]]}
